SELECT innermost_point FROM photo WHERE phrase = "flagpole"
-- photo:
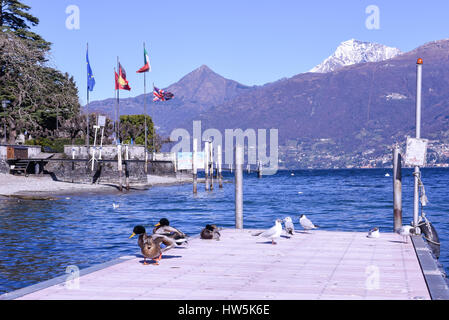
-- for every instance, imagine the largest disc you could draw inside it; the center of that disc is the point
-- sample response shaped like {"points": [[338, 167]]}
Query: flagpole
{"points": [[145, 112], [154, 129], [115, 107], [118, 105], [87, 109]]}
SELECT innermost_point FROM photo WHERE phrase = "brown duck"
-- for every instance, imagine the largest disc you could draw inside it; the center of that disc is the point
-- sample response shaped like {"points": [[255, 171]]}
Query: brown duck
{"points": [[150, 246], [210, 232]]}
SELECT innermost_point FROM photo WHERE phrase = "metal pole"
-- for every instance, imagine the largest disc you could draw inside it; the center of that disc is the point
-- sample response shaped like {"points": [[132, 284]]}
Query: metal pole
{"points": [[145, 113], [118, 105], [194, 168], [418, 136], [211, 163], [87, 115], [397, 190], [206, 164], [119, 165], [239, 187], [220, 177]]}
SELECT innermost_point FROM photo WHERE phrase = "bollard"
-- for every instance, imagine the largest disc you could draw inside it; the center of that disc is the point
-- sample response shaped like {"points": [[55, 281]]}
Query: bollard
{"points": [[239, 187], [119, 165], [194, 168], [206, 164], [219, 175], [397, 190]]}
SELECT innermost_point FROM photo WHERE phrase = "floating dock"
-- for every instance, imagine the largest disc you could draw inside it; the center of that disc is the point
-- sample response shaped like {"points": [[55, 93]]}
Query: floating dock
{"points": [[315, 265]]}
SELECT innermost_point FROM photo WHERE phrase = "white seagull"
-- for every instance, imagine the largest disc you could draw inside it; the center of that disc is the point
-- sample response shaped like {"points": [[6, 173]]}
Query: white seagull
{"points": [[115, 206], [406, 231], [289, 227], [306, 223], [272, 233], [374, 233]]}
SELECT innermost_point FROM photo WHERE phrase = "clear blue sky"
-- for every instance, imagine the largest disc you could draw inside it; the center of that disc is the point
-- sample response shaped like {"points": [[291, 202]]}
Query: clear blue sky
{"points": [[250, 41]]}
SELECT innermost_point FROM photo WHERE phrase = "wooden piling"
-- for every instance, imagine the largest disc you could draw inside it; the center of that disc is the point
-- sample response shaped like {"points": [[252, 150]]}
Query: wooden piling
{"points": [[194, 168], [211, 163], [119, 166], [397, 190], [206, 164], [259, 169], [126, 167], [219, 175], [239, 187]]}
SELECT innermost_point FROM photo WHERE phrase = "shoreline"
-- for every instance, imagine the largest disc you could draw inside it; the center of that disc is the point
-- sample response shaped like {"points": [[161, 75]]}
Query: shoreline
{"points": [[44, 187]]}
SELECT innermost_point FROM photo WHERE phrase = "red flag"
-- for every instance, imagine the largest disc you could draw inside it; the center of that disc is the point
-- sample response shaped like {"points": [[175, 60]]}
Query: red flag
{"points": [[120, 80]]}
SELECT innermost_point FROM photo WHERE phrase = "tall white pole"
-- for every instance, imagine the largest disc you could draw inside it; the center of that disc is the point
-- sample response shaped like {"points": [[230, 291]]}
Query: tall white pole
{"points": [[239, 187], [194, 168], [419, 64]]}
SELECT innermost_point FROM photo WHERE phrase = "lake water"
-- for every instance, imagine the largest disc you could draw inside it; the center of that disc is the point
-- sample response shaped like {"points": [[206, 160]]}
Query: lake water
{"points": [[39, 239]]}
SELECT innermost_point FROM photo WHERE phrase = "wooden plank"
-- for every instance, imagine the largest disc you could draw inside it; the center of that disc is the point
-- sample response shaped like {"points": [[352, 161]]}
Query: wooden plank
{"points": [[315, 265]]}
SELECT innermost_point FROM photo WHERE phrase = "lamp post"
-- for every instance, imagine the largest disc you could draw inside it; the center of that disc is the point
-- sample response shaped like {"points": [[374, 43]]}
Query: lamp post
{"points": [[5, 105]]}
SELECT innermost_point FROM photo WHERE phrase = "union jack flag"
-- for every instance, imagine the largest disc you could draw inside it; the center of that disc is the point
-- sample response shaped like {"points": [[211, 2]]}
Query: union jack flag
{"points": [[160, 94]]}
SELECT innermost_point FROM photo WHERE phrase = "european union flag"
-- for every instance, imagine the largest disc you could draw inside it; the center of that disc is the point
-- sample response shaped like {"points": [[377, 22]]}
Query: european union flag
{"points": [[90, 76]]}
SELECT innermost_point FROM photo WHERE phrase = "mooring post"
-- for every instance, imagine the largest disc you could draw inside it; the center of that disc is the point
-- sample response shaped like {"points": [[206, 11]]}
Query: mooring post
{"points": [[259, 169], [194, 168], [206, 164], [119, 165], [220, 177], [126, 167], [211, 163], [239, 187], [416, 174], [397, 189]]}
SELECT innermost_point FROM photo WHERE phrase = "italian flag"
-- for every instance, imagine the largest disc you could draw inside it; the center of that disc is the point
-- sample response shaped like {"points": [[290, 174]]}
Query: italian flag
{"points": [[147, 66]]}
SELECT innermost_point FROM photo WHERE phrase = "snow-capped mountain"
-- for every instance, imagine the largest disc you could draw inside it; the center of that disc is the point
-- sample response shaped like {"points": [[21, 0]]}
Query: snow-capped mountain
{"points": [[354, 51]]}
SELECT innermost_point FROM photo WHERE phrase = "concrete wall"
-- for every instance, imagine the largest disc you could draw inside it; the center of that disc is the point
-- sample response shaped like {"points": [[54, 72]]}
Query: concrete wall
{"points": [[33, 151], [108, 152]]}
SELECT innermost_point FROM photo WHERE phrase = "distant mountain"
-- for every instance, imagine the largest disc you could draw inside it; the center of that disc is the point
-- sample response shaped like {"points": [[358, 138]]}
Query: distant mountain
{"points": [[195, 93], [326, 119], [353, 52]]}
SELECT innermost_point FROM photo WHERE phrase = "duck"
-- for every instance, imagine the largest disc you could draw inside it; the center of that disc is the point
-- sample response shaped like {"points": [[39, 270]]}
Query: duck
{"points": [[289, 226], [210, 232], [273, 233], [150, 246], [163, 227], [306, 223]]}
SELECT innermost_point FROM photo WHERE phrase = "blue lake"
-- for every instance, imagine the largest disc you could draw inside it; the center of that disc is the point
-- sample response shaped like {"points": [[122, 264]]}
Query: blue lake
{"points": [[39, 239]]}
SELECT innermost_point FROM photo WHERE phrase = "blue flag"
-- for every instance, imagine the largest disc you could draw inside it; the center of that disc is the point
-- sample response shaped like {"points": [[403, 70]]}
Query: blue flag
{"points": [[90, 76]]}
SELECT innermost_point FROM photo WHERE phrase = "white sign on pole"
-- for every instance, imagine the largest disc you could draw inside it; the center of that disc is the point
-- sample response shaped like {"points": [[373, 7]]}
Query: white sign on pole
{"points": [[415, 155], [185, 160], [101, 121]]}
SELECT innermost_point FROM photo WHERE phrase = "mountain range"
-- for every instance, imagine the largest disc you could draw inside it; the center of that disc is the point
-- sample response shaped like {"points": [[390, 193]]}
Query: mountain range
{"points": [[358, 102]]}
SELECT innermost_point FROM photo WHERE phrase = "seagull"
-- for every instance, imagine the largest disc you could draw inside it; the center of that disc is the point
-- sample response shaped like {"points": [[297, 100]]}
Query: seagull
{"points": [[289, 227], [374, 233], [306, 223], [115, 206], [387, 175], [406, 231], [272, 233]]}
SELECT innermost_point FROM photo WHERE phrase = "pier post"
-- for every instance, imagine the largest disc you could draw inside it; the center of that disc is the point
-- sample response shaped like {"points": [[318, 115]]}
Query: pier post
{"points": [[206, 164], [397, 190], [211, 163], [219, 175], [259, 169], [194, 168], [119, 166], [416, 173], [126, 167], [239, 187]]}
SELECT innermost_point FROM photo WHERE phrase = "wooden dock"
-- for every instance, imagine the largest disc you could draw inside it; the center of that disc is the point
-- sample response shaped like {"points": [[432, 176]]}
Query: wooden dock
{"points": [[315, 265]]}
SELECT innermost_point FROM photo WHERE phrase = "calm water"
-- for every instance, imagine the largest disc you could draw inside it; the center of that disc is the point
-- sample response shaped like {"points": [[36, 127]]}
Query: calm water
{"points": [[38, 240]]}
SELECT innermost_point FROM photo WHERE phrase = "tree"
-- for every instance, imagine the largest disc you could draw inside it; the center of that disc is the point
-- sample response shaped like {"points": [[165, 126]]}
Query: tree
{"points": [[133, 127], [14, 17]]}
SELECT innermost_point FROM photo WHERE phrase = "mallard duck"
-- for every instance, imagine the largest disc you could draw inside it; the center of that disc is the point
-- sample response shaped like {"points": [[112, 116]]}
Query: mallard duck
{"points": [[150, 246], [163, 227], [210, 232]]}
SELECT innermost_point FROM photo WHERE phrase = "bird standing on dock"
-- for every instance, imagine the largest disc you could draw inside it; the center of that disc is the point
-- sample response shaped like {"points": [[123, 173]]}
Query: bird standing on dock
{"points": [[406, 231], [374, 233], [210, 232], [163, 227], [273, 233], [289, 226], [306, 223], [150, 246]]}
